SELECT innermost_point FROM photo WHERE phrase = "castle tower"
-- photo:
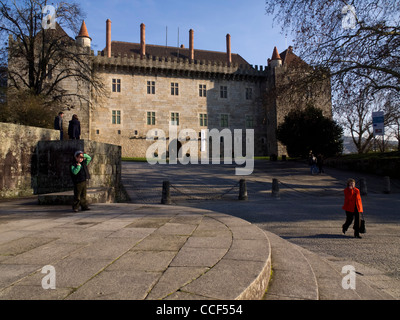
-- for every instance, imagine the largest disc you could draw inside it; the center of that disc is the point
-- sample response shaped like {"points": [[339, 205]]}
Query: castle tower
{"points": [[83, 38], [276, 60]]}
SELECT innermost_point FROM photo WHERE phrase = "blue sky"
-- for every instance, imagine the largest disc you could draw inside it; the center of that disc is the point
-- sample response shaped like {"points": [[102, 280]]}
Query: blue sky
{"points": [[253, 33]]}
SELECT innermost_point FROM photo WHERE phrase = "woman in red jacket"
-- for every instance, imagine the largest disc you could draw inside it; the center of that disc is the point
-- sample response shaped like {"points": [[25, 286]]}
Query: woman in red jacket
{"points": [[353, 207]]}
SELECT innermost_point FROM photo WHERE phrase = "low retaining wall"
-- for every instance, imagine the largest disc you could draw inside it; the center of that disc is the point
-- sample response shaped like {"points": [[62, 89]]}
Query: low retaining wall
{"points": [[380, 166], [33, 161], [17, 149], [54, 160]]}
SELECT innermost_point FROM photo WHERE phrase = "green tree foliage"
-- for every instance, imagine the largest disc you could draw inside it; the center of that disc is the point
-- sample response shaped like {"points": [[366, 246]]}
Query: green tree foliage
{"points": [[305, 130]]}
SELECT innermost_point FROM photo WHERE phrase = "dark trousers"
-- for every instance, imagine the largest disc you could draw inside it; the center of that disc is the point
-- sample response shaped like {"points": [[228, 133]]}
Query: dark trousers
{"points": [[80, 190], [350, 216]]}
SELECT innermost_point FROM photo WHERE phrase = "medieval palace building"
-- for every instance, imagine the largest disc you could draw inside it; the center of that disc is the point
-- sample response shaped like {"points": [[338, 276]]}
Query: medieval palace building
{"points": [[151, 88]]}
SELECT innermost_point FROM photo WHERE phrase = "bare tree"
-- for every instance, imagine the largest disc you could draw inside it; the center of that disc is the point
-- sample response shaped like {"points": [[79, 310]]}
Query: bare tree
{"points": [[355, 41], [354, 111], [41, 60]]}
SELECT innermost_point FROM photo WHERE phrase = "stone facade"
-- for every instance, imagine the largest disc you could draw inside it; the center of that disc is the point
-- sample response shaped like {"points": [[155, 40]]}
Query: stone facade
{"points": [[149, 87], [137, 99]]}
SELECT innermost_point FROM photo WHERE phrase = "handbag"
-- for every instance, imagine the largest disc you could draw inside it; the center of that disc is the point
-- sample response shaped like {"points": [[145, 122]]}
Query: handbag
{"points": [[362, 225]]}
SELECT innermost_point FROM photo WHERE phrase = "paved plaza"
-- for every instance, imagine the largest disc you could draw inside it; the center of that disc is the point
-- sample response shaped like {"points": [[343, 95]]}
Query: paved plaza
{"points": [[308, 212], [207, 244]]}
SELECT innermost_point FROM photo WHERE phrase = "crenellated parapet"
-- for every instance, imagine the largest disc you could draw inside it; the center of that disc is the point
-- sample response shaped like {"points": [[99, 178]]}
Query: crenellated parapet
{"points": [[179, 66]]}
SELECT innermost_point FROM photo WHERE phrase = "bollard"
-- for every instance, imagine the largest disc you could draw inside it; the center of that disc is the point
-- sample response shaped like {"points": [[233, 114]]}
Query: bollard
{"points": [[166, 193], [386, 186], [363, 187], [275, 188], [243, 190]]}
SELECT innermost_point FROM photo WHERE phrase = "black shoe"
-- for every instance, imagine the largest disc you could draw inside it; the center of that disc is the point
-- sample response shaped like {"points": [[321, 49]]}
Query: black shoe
{"points": [[357, 236], [86, 209], [344, 230]]}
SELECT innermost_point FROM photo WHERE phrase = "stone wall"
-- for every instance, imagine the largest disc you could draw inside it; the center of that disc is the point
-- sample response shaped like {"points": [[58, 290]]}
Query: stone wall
{"points": [[54, 160], [380, 166], [33, 161], [17, 149]]}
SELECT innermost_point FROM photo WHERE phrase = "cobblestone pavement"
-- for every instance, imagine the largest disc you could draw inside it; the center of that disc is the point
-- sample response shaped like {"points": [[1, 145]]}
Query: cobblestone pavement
{"points": [[307, 213]]}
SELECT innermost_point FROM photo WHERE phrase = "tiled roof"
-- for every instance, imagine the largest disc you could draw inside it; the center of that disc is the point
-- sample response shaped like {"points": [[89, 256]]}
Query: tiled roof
{"points": [[83, 32], [128, 48], [275, 55], [290, 59]]}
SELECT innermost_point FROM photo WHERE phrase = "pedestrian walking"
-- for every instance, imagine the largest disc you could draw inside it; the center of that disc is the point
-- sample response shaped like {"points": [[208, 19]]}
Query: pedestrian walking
{"points": [[80, 175], [312, 161], [74, 128], [353, 207], [58, 124]]}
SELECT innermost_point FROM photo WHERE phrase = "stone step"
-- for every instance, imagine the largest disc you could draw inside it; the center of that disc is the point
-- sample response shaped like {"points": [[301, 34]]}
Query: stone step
{"points": [[94, 195], [299, 274], [328, 271], [292, 276]]}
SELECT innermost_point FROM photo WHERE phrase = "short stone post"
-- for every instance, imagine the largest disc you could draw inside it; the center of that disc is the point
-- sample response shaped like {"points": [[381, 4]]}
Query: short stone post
{"points": [[363, 187], [243, 190], [166, 193], [275, 188], [386, 186]]}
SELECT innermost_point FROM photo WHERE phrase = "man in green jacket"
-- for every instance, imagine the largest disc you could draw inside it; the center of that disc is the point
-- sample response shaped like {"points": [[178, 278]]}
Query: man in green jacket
{"points": [[80, 174]]}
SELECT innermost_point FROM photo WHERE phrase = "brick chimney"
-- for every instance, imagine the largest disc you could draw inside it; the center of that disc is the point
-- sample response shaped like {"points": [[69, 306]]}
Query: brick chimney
{"points": [[228, 50], [142, 41], [191, 44], [108, 38]]}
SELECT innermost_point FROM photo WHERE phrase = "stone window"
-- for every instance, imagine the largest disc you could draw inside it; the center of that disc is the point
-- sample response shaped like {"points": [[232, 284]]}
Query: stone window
{"points": [[174, 118], [116, 117], [224, 120], [249, 94], [249, 121], [116, 85], [151, 87], [174, 89], [204, 120], [151, 118], [202, 90], [223, 92]]}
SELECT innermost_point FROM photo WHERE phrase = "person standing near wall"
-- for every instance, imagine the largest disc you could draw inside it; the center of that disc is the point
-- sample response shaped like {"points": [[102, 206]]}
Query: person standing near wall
{"points": [[80, 174], [74, 128], [58, 124]]}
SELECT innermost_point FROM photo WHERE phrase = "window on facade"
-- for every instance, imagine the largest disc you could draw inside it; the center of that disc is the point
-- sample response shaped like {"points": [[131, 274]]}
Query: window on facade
{"points": [[224, 120], [151, 87], [116, 85], [116, 117], [203, 120], [151, 118], [249, 121], [249, 93], [224, 92], [174, 89], [202, 90], [175, 119]]}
